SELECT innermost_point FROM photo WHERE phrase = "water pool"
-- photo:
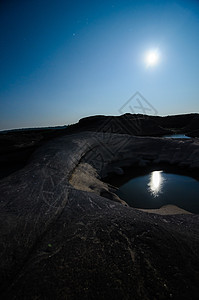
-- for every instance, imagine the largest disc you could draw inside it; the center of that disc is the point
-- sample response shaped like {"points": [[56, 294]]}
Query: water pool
{"points": [[177, 136], [159, 188]]}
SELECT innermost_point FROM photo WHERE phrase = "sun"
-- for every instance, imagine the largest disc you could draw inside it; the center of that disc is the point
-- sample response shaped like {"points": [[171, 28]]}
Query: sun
{"points": [[152, 58]]}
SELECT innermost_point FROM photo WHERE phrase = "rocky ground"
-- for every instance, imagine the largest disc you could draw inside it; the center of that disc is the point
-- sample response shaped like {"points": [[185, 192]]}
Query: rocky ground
{"points": [[66, 235], [16, 147]]}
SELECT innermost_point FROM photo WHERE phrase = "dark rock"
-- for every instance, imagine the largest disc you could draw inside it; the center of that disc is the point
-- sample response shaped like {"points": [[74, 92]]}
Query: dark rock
{"points": [[17, 146], [61, 242]]}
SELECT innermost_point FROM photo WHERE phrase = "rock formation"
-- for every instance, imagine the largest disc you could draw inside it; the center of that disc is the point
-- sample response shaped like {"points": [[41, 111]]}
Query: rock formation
{"points": [[66, 235]]}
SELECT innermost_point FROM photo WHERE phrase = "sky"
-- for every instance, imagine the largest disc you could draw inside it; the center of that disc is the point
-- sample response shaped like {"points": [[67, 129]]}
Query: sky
{"points": [[64, 60]]}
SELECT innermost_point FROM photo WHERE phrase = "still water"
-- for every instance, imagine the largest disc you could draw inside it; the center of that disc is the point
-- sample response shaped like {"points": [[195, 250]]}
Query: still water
{"points": [[177, 136], [159, 188]]}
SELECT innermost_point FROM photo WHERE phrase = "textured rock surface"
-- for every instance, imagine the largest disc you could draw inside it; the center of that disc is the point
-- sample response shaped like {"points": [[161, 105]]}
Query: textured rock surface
{"points": [[16, 147], [60, 242]]}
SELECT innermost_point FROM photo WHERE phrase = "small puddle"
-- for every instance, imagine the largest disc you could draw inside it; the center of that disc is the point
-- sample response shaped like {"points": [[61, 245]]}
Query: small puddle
{"points": [[156, 188], [177, 136]]}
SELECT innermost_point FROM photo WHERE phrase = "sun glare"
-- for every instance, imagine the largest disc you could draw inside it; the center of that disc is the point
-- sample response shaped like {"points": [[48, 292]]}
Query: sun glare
{"points": [[152, 58], [155, 183]]}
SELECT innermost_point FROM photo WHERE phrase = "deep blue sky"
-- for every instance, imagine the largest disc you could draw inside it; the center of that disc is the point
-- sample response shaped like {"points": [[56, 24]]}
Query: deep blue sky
{"points": [[63, 60]]}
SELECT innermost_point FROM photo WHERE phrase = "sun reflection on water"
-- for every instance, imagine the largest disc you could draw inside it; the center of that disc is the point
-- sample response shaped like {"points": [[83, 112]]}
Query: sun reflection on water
{"points": [[155, 183]]}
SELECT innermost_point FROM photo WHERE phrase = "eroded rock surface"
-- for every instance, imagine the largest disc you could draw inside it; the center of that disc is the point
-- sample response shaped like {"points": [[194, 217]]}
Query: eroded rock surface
{"points": [[17, 146], [61, 239]]}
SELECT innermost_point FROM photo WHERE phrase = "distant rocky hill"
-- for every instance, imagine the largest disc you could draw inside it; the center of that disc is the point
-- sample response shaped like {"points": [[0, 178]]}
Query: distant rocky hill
{"points": [[141, 125], [17, 146]]}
